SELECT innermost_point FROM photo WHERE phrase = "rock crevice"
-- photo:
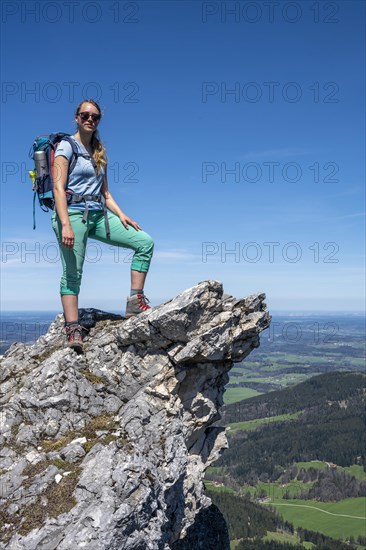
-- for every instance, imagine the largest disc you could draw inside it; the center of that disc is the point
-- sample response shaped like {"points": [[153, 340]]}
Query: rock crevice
{"points": [[108, 450]]}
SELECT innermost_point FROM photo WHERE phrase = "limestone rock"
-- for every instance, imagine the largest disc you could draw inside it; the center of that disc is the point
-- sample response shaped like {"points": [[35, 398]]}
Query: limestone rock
{"points": [[127, 429]]}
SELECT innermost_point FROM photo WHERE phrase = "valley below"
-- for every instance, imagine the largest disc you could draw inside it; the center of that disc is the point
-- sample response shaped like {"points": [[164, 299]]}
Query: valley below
{"points": [[294, 473]]}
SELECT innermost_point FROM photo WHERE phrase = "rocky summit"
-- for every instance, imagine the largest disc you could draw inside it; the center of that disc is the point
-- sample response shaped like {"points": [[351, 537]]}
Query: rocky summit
{"points": [[107, 450]]}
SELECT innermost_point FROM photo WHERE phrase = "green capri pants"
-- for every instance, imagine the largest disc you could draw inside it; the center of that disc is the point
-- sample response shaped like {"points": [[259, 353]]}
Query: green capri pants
{"points": [[73, 258]]}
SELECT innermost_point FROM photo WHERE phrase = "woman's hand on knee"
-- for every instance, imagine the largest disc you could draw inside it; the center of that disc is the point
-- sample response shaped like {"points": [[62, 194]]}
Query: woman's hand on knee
{"points": [[126, 221]]}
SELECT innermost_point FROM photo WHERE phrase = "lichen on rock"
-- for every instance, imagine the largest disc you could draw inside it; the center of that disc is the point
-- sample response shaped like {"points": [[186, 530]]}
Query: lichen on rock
{"points": [[109, 448]]}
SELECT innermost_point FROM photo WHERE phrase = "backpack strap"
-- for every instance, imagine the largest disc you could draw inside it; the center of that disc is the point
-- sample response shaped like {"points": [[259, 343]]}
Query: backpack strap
{"points": [[97, 198], [75, 151]]}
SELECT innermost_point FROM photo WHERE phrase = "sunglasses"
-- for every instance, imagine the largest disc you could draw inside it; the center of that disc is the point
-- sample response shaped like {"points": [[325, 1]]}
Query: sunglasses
{"points": [[85, 116]]}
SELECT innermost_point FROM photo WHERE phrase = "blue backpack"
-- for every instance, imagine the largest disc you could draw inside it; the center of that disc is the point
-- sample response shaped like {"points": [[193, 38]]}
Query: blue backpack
{"points": [[42, 183]]}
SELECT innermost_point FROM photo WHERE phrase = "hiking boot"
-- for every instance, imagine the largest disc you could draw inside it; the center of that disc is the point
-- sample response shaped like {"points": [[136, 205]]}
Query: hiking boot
{"points": [[74, 337], [136, 304]]}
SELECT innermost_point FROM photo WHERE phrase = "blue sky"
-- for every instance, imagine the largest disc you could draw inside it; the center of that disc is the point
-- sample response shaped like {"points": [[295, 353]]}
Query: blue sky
{"points": [[237, 140]]}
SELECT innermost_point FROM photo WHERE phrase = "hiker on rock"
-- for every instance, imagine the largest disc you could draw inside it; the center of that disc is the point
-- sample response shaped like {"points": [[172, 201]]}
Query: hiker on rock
{"points": [[81, 202]]}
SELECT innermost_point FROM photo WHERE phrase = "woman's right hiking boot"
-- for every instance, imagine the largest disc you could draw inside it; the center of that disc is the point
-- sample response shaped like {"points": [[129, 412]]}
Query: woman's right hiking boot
{"points": [[136, 304], [74, 337]]}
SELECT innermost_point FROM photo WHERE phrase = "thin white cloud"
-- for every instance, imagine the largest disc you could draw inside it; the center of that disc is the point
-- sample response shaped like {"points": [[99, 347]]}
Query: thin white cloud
{"points": [[98, 255], [308, 216], [358, 189], [175, 255], [356, 215], [343, 217]]}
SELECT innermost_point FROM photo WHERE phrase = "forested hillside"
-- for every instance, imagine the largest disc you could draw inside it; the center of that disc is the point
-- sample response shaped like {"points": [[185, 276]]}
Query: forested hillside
{"points": [[331, 427], [297, 453], [314, 392]]}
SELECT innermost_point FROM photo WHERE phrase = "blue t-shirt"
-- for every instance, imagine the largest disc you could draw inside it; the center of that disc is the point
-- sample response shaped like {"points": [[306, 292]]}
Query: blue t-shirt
{"points": [[83, 180]]}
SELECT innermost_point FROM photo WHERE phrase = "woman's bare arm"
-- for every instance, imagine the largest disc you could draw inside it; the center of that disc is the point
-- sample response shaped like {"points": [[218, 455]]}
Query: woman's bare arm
{"points": [[61, 168]]}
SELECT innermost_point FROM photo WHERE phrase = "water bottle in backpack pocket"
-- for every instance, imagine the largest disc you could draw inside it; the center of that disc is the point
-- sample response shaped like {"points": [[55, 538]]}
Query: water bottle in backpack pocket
{"points": [[41, 165]]}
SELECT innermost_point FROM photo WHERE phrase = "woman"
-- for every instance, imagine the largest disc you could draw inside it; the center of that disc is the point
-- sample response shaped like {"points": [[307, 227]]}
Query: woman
{"points": [[81, 200]]}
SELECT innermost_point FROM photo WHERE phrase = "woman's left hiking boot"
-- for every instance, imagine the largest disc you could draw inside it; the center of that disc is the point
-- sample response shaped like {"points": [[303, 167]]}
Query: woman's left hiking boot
{"points": [[136, 304], [74, 337]]}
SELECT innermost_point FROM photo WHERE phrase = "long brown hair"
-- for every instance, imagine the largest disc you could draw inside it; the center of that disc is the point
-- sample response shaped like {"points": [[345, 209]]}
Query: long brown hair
{"points": [[99, 153]]}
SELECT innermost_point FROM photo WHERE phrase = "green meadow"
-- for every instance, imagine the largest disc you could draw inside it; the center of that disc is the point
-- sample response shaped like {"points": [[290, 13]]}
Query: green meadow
{"points": [[277, 490], [232, 395], [339, 520], [254, 424], [286, 537]]}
